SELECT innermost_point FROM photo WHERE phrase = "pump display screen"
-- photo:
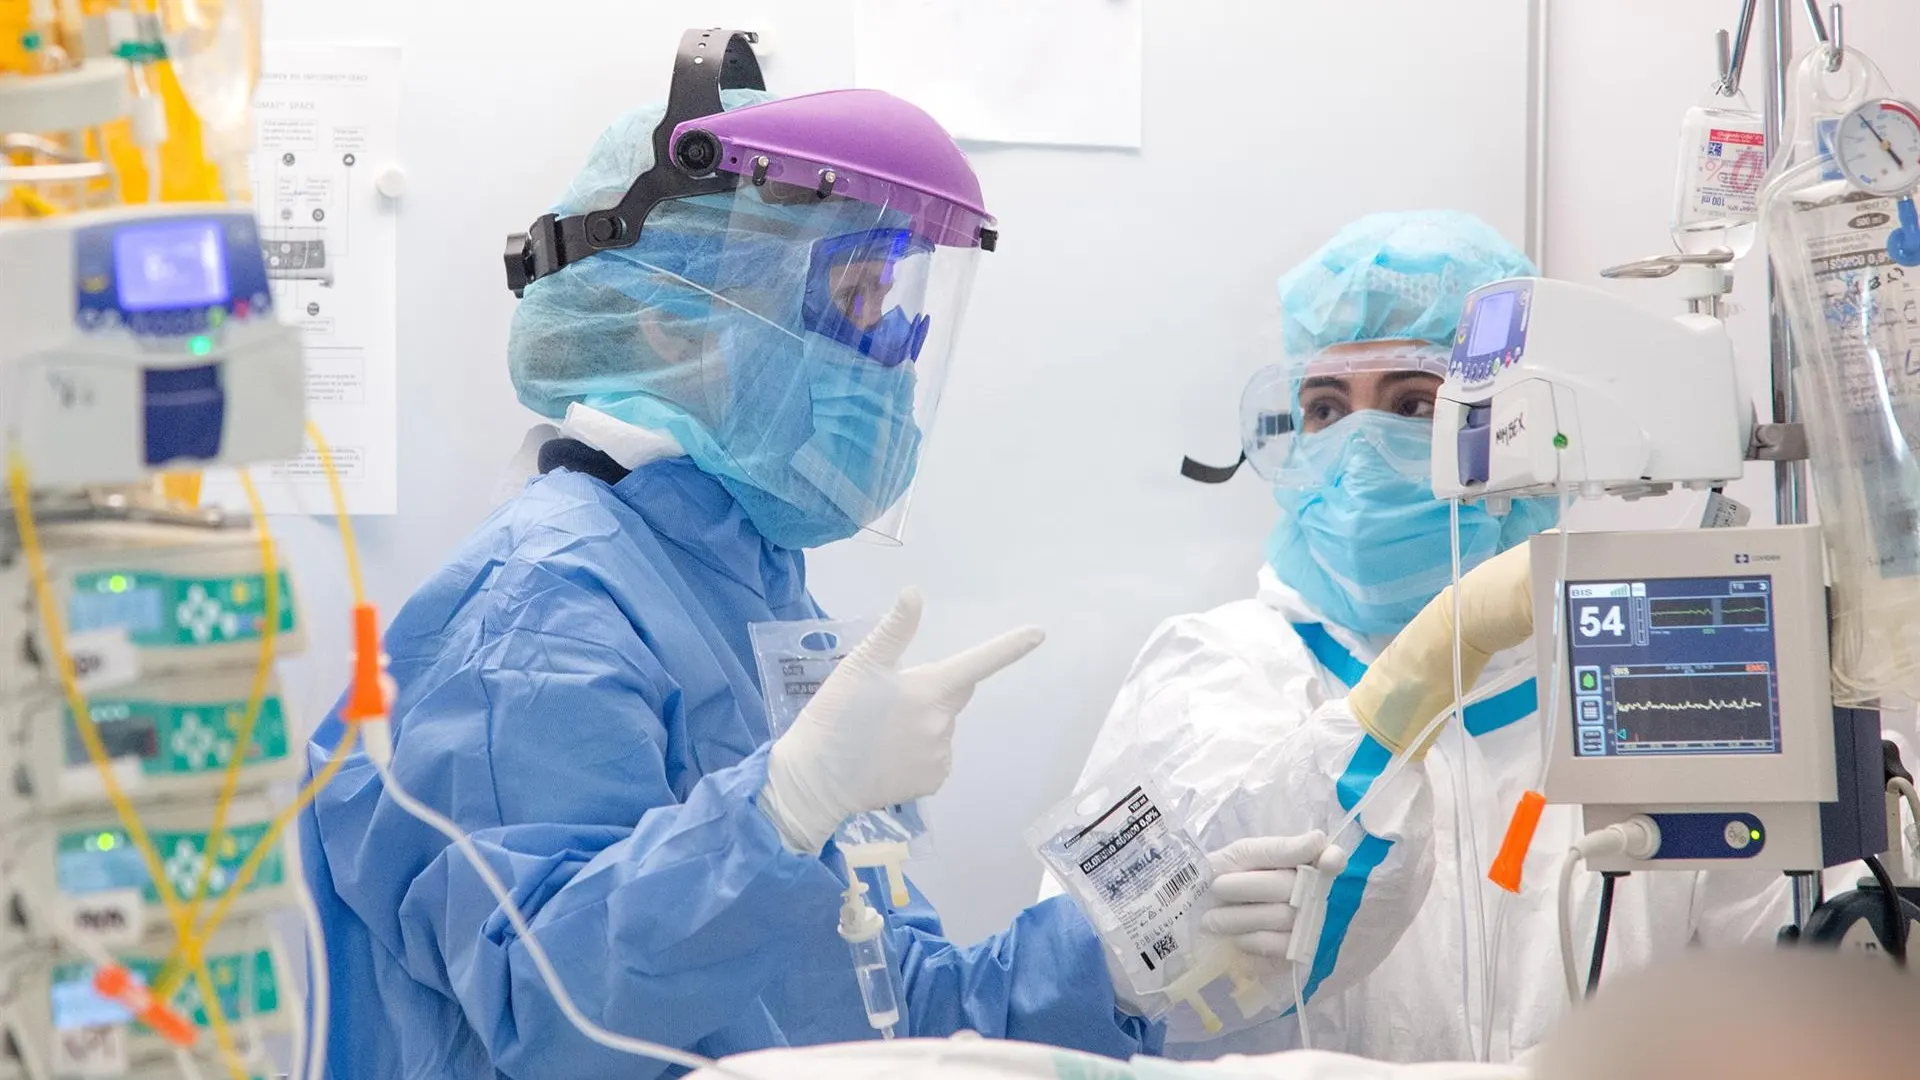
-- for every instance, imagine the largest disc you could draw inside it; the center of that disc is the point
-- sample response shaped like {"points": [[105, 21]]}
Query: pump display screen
{"points": [[138, 610], [1492, 318], [1673, 666], [170, 265]]}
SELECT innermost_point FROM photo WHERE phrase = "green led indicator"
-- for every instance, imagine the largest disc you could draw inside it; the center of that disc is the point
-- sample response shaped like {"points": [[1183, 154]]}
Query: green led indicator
{"points": [[201, 345], [117, 583], [1559, 441], [1587, 680], [105, 842], [1755, 834]]}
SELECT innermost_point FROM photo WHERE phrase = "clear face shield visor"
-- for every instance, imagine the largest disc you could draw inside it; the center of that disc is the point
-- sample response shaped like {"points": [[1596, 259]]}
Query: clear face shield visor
{"points": [[821, 330], [1286, 405]]}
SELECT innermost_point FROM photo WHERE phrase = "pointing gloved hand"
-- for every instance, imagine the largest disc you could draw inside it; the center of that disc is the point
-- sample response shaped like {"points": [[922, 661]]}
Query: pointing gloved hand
{"points": [[875, 736], [1412, 682], [1253, 890]]}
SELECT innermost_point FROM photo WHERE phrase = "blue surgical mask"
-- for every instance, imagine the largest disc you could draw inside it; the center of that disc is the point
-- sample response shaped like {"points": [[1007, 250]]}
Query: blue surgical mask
{"points": [[1361, 536], [865, 446]]}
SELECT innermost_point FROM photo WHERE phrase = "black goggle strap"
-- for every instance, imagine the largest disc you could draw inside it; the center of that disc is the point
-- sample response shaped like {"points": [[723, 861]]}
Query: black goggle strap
{"points": [[1272, 426]]}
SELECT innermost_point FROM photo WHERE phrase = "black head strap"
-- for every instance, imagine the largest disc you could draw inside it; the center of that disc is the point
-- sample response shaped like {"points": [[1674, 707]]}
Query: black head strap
{"points": [[709, 61]]}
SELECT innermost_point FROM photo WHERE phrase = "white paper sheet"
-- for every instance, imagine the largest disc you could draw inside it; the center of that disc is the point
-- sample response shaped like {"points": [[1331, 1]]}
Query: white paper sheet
{"points": [[1059, 73], [326, 121]]}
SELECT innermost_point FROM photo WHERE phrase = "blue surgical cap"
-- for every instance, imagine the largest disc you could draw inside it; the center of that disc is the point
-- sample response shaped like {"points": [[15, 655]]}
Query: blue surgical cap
{"points": [[580, 332], [1394, 276]]}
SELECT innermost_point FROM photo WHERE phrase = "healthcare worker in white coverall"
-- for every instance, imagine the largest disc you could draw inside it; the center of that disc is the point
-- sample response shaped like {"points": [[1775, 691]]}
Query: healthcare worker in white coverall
{"points": [[1247, 715]]}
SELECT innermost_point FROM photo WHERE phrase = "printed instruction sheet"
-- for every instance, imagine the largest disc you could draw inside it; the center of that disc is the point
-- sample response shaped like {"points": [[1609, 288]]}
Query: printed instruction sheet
{"points": [[326, 121], [1062, 73]]}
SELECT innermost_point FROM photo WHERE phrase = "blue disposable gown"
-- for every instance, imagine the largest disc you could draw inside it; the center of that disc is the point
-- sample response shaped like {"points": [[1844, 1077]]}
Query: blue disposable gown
{"points": [[576, 689]]}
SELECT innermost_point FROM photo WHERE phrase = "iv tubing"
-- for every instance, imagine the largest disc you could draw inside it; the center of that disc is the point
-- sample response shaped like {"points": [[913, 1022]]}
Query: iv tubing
{"points": [[55, 629], [428, 816], [1465, 825], [256, 699]]}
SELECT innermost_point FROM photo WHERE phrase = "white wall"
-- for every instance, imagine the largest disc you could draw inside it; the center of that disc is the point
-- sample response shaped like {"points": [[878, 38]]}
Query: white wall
{"points": [[1111, 333]]}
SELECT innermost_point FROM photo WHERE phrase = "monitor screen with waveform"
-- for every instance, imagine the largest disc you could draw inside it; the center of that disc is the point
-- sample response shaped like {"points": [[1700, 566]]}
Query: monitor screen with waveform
{"points": [[1673, 666]]}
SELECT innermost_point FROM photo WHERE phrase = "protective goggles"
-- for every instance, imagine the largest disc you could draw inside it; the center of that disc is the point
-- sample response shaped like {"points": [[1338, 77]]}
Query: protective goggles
{"points": [[1285, 401], [868, 291]]}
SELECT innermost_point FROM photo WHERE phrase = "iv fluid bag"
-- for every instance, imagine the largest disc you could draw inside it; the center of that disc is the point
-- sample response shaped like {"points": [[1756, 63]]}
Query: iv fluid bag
{"points": [[1854, 316], [1716, 191]]}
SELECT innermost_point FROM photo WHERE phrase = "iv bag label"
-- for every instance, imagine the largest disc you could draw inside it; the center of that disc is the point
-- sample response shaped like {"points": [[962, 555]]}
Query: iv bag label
{"points": [[1870, 321], [1728, 164], [1724, 512], [100, 1050], [1146, 874]]}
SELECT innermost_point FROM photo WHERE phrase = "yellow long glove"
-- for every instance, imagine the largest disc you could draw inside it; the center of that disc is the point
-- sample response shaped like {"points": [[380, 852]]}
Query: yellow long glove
{"points": [[1413, 679]]}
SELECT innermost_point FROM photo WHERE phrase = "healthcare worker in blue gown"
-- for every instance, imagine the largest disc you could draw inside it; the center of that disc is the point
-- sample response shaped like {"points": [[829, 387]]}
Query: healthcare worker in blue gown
{"points": [[575, 687]]}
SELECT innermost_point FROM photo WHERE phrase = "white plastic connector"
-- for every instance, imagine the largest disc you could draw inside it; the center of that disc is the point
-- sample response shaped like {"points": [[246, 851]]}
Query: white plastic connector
{"points": [[1312, 885], [858, 921], [1186, 989], [377, 737], [889, 856], [1638, 837], [149, 117]]}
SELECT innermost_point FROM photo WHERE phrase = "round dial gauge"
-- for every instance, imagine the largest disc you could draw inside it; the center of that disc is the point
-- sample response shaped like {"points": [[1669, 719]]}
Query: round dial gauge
{"points": [[1878, 147]]}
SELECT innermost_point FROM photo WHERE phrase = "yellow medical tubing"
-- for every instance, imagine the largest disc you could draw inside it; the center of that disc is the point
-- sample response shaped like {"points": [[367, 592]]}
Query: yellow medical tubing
{"points": [[348, 546], [348, 739], [256, 699], [55, 629]]}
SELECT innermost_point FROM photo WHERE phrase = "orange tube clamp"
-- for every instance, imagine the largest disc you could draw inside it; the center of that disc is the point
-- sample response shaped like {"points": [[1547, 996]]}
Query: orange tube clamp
{"points": [[1513, 849], [117, 983], [366, 702]]}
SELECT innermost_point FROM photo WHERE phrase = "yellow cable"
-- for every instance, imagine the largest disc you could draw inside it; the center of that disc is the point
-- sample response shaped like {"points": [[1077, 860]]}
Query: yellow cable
{"points": [[348, 546], [55, 628], [244, 876], [243, 736]]}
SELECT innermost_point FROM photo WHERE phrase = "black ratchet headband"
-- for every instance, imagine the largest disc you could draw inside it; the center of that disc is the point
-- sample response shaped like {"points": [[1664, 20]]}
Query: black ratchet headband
{"points": [[709, 61]]}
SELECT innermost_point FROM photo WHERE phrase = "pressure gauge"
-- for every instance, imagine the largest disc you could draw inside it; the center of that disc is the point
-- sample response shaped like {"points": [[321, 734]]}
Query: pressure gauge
{"points": [[1878, 146]]}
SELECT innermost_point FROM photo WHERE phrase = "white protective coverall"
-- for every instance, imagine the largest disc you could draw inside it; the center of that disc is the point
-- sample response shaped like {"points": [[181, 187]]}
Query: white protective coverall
{"points": [[1240, 716]]}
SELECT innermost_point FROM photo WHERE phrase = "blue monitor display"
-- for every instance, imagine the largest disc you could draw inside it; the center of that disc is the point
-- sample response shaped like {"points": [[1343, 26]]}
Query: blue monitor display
{"points": [[1492, 319], [170, 265], [1673, 666]]}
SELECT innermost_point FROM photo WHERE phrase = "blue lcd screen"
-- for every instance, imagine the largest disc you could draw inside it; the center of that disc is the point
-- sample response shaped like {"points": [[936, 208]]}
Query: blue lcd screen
{"points": [[138, 611], [76, 1004], [170, 265], [1492, 318], [1677, 666]]}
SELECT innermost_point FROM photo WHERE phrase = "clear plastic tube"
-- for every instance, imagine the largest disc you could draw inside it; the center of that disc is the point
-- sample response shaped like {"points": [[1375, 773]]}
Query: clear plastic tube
{"points": [[1300, 1008], [1466, 844], [548, 975], [1497, 940], [875, 976], [314, 1061]]}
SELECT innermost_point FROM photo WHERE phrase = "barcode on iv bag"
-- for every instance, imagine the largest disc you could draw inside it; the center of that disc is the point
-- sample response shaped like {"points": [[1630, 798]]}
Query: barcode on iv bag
{"points": [[1178, 883]]}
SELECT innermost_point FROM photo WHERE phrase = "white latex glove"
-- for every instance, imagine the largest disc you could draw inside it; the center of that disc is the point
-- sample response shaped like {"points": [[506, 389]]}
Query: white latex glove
{"points": [[1253, 889], [875, 736]]}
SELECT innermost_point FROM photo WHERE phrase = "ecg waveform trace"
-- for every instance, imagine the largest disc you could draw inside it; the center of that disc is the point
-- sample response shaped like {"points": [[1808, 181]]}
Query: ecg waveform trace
{"points": [[1688, 612], [1701, 707], [1709, 705]]}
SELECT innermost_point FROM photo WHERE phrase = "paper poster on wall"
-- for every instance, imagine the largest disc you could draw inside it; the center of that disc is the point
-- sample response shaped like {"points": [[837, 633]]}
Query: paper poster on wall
{"points": [[326, 121], [1062, 73]]}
